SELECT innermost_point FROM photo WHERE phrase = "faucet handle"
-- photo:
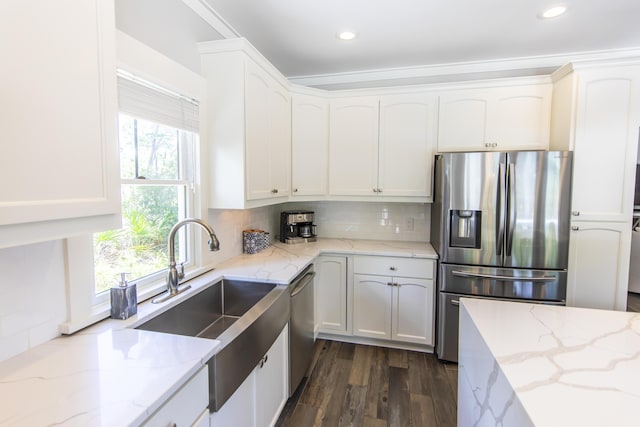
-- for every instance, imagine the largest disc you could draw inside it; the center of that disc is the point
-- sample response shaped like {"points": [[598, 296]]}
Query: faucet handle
{"points": [[181, 271]]}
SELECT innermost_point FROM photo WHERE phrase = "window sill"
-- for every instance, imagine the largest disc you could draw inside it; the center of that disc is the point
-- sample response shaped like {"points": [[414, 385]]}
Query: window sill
{"points": [[102, 310]]}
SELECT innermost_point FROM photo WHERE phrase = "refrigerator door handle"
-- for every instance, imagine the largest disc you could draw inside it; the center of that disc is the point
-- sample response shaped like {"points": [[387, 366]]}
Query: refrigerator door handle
{"points": [[500, 277], [500, 209], [511, 206]]}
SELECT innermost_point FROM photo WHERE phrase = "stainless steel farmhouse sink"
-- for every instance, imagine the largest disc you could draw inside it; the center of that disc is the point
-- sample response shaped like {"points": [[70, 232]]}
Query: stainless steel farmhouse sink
{"points": [[245, 316]]}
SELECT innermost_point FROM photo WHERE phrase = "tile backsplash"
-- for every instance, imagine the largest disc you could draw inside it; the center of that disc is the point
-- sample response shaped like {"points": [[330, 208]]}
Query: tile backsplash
{"points": [[32, 296], [342, 220], [370, 220]]}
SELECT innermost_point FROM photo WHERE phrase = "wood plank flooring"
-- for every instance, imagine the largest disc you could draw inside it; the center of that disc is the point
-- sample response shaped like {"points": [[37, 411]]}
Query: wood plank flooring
{"points": [[359, 385], [633, 302]]}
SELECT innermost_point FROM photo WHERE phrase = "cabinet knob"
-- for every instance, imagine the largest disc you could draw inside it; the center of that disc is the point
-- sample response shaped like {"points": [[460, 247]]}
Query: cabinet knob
{"points": [[375, 190], [575, 228], [495, 144], [295, 190], [274, 191], [575, 213], [379, 190], [392, 268], [389, 283]]}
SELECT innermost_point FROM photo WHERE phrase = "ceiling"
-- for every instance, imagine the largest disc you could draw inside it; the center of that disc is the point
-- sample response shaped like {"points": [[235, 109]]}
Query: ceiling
{"points": [[299, 37]]}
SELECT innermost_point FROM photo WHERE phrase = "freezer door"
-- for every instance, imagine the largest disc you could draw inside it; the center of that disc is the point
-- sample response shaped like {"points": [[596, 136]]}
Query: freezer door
{"points": [[468, 226], [514, 283], [538, 209]]}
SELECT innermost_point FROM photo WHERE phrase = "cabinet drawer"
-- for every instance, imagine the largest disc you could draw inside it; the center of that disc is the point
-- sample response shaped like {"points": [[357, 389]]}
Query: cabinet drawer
{"points": [[393, 266], [185, 407]]}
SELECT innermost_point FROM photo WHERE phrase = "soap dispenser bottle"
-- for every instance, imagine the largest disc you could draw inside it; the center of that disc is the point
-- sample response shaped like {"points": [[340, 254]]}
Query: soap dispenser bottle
{"points": [[124, 299]]}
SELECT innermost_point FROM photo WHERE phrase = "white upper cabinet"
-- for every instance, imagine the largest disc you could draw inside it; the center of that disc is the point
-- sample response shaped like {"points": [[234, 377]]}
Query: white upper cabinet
{"points": [[248, 128], [597, 115], [309, 145], [382, 146], [407, 142], [353, 159], [59, 126], [268, 135], [497, 118]]}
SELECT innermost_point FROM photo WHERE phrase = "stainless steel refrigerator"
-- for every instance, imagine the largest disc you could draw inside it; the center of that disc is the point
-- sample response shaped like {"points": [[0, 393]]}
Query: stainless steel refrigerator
{"points": [[500, 224]]}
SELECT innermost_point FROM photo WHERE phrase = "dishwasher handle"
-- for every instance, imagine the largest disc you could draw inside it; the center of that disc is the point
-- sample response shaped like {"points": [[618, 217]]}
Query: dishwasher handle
{"points": [[300, 284]]}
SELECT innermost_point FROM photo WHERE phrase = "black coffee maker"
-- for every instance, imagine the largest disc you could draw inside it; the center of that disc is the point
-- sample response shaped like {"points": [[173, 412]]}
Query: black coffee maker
{"points": [[297, 227]]}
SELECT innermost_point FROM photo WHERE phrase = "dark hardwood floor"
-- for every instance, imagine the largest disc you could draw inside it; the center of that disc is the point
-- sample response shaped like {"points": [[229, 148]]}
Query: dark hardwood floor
{"points": [[359, 385], [633, 302]]}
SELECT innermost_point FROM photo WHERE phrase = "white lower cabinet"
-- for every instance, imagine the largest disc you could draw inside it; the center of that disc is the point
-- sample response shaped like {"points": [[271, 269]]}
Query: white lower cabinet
{"points": [[332, 296], [599, 255], [187, 406], [260, 398], [391, 306]]}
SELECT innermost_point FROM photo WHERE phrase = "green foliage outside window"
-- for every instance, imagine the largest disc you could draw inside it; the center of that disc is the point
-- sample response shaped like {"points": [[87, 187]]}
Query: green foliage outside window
{"points": [[149, 208]]}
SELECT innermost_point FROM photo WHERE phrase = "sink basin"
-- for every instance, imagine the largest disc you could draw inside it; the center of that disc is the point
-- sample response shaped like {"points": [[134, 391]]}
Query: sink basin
{"points": [[245, 316]]}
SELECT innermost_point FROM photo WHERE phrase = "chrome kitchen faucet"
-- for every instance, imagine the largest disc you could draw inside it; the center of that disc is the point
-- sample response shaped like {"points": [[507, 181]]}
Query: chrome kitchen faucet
{"points": [[173, 276]]}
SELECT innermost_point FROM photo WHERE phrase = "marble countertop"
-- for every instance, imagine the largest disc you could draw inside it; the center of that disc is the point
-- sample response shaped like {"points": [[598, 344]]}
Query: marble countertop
{"points": [[562, 365], [110, 374], [114, 378]]}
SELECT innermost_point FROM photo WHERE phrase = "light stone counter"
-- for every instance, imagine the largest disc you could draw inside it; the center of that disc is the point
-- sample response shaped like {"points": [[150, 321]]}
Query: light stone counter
{"points": [[114, 378], [538, 365], [112, 375]]}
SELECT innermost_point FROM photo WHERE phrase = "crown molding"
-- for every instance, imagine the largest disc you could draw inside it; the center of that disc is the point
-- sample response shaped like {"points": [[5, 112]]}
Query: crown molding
{"points": [[441, 73], [213, 18]]}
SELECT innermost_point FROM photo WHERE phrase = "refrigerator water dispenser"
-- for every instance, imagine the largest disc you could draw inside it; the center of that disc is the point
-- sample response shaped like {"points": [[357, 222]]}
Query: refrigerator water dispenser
{"points": [[465, 228]]}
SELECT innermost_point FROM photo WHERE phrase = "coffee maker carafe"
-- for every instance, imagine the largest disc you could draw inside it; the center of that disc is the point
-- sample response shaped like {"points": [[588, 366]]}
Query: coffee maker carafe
{"points": [[297, 227]]}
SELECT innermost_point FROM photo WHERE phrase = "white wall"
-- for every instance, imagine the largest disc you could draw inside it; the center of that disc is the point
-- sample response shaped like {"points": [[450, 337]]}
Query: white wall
{"points": [[168, 26], [32, 296]]}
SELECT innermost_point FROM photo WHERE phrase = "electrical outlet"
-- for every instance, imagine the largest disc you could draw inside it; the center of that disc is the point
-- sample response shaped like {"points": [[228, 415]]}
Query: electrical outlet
{"points": [[409, 224]]}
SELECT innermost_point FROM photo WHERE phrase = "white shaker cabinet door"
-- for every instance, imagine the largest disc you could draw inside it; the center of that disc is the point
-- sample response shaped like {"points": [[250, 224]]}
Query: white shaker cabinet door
{"points": [[372, 306], [605, 146], [310, 145], [521, 117], [332, 297], [599, 265], [413, 314], [272, 381], [257, 132], [280, 141], [463, 121], [59, 111], [353, 152], [408, 132]]}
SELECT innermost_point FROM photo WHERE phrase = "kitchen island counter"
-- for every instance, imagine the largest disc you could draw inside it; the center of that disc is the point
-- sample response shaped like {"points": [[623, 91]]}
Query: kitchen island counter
{"points": [[529, 364]]}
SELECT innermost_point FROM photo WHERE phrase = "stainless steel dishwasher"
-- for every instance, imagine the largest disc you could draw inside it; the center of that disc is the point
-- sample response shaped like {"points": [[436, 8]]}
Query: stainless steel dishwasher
{"points": [[301, 337]]}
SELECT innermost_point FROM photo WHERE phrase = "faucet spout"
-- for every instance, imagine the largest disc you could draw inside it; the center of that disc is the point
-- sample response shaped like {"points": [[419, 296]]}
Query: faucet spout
{"points": [[173, 276]]}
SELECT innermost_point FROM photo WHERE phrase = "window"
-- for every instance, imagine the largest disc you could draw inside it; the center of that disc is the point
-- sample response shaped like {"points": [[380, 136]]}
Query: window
{"points": [[157, 141]]}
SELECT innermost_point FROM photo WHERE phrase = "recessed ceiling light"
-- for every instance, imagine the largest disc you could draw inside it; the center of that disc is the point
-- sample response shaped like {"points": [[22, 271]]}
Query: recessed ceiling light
{"points": [[553, 12], [347, 35]]}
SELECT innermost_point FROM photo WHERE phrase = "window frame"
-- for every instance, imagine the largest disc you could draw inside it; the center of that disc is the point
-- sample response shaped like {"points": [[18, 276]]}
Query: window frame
{"points": [[152, 66], [155, 283]]}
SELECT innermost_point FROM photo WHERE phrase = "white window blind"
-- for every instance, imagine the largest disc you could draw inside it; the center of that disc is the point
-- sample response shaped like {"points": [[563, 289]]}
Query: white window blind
{"points": [[145, 100]]}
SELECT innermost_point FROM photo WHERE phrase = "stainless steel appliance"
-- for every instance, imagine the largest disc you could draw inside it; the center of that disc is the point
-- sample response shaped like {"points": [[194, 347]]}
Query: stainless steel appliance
{"points": [[500, 224], [297, 227], [301, 327]]}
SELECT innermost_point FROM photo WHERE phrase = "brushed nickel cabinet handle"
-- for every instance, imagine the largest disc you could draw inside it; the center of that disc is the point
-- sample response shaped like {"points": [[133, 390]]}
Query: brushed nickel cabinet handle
{"points": [[274, 191], [575, 228]]}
